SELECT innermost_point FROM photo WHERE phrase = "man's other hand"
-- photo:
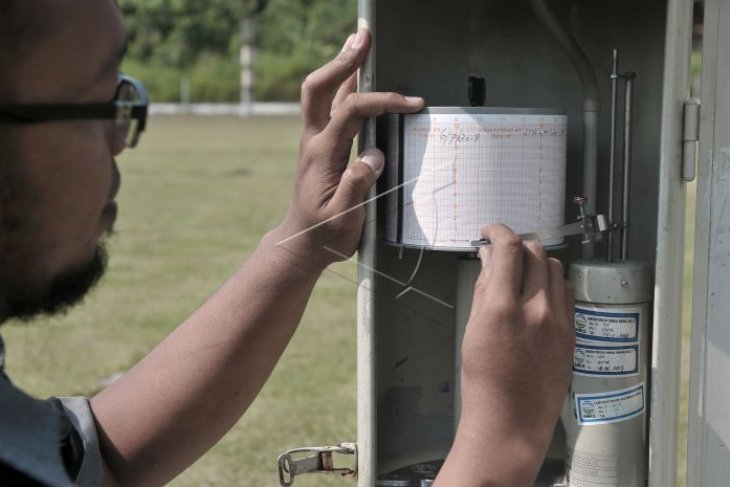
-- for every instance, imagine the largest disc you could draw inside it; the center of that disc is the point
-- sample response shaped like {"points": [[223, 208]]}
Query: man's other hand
{"points": [[516, 364]]}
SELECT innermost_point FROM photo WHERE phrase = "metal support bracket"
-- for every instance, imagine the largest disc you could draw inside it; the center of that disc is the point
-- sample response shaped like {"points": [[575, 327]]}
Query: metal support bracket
{"points": [[316, 459], [591, 227], [690, 139]]}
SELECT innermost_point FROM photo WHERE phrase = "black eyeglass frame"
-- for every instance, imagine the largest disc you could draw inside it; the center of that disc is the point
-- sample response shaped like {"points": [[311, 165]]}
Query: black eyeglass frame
{"points": [[120, 110]]}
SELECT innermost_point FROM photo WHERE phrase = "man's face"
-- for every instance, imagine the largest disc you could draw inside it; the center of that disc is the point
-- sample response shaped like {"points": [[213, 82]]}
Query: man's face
{"points": [[59, 179]]}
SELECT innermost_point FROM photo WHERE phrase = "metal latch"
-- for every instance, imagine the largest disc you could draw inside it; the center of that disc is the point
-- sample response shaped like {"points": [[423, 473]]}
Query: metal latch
{"points": [[690, 139], [317, 459], [590, 227]]}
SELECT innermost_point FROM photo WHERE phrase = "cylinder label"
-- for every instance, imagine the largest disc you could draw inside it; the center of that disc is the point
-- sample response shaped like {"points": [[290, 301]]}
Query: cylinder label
{"points": [[589, 470], [616, 325], [599, 361], [610, 407]]}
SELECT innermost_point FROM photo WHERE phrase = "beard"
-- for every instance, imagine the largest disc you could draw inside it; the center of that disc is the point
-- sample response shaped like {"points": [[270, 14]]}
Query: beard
{"points": [[62, 293]]}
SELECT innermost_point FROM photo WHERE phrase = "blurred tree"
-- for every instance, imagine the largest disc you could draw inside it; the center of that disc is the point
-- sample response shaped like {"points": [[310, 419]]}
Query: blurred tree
{"points": [[294, 37], [176, 32], [315, 26]]}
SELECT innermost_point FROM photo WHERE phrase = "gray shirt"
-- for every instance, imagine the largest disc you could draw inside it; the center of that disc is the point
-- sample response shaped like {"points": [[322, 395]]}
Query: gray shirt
{"points": [[51, 442]]}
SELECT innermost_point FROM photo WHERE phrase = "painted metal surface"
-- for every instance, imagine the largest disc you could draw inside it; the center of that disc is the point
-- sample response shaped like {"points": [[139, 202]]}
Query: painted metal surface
{"points": [[606, 421], [366, 359], [430, 48], [667, 329], [709, 407]]}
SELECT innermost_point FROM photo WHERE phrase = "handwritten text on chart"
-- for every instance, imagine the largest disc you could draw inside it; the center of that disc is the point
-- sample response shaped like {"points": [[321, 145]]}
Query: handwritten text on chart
{"points": [[453, 136]]}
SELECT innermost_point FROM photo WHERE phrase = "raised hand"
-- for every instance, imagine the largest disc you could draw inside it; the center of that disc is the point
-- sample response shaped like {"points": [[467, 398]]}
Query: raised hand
{"points": [[516, 365], [325, 219]]}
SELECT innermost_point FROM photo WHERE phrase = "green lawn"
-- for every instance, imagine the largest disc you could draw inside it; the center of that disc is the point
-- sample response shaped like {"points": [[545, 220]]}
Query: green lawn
{"points": [[195, 199], [687, 315]]}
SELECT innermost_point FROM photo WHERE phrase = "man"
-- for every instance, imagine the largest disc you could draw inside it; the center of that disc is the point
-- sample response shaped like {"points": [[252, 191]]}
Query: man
{"points": [[58, 181]]}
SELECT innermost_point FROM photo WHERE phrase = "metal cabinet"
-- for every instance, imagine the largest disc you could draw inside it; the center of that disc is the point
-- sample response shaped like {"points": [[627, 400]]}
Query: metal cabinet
{"points": [[431, 48], [408, 298], [709, 408]]}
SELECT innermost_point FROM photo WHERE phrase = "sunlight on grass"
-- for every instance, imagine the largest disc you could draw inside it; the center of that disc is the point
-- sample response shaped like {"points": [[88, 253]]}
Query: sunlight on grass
{"points": [[196, 198], [689, 234]]}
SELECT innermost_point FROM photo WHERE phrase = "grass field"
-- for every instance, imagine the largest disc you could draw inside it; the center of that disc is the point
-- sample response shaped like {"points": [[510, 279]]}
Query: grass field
{"points": [[195, 199]]}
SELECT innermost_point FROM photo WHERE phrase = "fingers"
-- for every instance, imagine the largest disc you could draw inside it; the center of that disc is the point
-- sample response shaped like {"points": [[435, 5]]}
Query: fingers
{"points": [[347, 88], [357, 180], [319, 88], [336, 138], [536, 274], [347, 119], [570, 306], [561, 294], [333, 111], [570, 297], [558, 283], [485, 254], [506, 259]]}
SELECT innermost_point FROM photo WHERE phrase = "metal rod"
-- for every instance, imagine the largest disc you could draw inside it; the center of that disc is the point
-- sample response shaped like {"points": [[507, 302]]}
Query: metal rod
{"points": [[612, 155], [591, 104], [626, 190], [366, 336]]}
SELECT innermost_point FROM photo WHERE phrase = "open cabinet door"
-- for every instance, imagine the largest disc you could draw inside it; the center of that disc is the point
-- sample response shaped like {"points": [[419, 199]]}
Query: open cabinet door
{"points": [[709, 406]]}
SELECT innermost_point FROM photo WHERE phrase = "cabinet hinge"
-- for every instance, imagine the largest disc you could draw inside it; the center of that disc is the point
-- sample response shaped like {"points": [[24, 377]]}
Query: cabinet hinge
{"points": [[690, 139]]}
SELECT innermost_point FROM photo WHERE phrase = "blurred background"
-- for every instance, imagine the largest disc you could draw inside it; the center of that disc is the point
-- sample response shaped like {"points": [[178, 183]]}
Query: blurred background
{"points": [[196, 197], [193, 51]]}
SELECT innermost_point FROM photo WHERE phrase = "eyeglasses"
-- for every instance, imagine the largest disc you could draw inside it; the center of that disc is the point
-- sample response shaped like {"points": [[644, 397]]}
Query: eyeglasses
{"points": [[128, 108]]}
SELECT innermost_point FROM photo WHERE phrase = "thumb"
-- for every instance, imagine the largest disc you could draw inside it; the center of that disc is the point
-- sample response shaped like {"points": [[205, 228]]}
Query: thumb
{"points": [[357, 179]]}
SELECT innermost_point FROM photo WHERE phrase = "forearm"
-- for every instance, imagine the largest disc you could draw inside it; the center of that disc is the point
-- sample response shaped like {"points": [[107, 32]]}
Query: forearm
{"points": [[517, 357], [499, 442], [180, 399], [492, 454]]}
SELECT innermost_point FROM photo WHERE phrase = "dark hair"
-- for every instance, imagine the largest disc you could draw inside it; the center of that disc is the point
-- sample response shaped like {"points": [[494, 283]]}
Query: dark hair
{"points": [[65, 291]]}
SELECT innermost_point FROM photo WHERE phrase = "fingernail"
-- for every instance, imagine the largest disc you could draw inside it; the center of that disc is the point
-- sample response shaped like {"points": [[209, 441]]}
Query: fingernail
{"points": [[415, 100], [359, 39], [373, 158], [348, 43]]}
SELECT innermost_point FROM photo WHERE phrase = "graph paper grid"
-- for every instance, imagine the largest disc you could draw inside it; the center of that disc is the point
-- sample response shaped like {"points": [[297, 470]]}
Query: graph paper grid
{"points": [[461, 171]]}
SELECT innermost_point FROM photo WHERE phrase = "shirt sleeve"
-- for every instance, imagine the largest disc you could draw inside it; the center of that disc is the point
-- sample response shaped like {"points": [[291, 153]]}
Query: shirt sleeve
{"points": [[78, 411]]}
